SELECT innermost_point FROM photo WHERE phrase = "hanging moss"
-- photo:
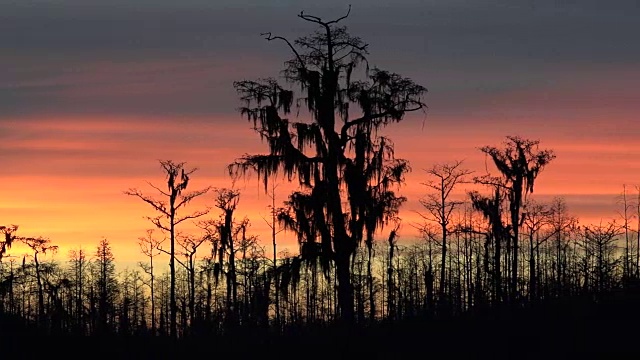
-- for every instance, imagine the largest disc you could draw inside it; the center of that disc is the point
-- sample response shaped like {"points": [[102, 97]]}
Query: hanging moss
{"points": [[345, 168]]}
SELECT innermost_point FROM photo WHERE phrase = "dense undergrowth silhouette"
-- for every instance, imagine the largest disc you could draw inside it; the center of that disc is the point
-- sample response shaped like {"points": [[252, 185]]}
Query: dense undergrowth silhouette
{"points": [[553, 329]]}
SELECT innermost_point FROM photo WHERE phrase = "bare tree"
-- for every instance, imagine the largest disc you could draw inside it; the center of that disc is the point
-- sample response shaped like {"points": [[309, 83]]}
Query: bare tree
{"points": [[150, 248], [107, 285], [346, 171], [536, 217], [39, 245], [638, 232], [626, 217], [174, 200], [190, 245], [273, 224], [440, 206], [391, 286], [561, 224], [600, 242], [78, 261]]}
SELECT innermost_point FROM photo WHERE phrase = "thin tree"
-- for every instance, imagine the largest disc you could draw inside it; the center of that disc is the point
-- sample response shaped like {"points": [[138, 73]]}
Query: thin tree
{"points": [[345, 170], [175, 198], [440, 205], [600, 241], [535, 219], [273, 224], [491, 209], [626, 206], [561, 224], [107, 285], [78, 261], [150, 248], [190, 245], [391, 286], [638, 233], [39, 245], [223, 246]]}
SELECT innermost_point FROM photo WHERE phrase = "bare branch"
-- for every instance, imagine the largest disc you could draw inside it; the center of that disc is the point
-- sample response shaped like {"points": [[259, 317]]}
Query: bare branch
{"points": [[156, 221], [341, 18], [158, 205], [269, 37], [190, 196], [158, 189], [195, 215]]}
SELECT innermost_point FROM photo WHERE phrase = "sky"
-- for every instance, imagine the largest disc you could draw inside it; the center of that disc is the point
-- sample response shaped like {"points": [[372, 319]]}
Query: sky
{"points": [[93, 93]]}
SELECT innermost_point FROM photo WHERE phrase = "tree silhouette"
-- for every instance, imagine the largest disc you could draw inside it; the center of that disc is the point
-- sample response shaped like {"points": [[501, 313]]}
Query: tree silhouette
{"points": [[444, 178], [491, 209], [150, 248], [176, 199], [78, 264], [190, 245], [626, 217], [39, 245], [637, 215], [345, 168], [537, 217], [562, 225], [106, 284], [9, 233], [223, 251], [273, 224], [600, 245], [519, 163]]}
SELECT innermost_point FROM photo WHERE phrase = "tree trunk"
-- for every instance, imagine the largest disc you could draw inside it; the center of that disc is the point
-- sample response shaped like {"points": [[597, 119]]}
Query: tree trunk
{"points": [[232, 279], [372, 302], [496, 269], [153, 300], [192, 294], [275, 260], [443, 224], [173, 330], [532, 270], [345, 291], [40, 291]]}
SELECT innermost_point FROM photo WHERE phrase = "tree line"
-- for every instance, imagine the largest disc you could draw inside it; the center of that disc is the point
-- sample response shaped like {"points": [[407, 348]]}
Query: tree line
{"points": [[463, 263]]}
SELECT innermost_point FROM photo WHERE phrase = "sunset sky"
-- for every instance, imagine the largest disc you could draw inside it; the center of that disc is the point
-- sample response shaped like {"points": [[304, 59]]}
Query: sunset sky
{"points": [[94, 92]]}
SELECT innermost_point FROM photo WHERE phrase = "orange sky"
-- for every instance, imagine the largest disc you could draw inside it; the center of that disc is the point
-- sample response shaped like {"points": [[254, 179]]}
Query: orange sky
{"points": [[66, 176]]}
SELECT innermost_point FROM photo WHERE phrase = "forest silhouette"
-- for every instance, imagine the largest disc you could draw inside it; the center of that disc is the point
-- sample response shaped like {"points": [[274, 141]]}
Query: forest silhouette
{"points": [[496, 273]]}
